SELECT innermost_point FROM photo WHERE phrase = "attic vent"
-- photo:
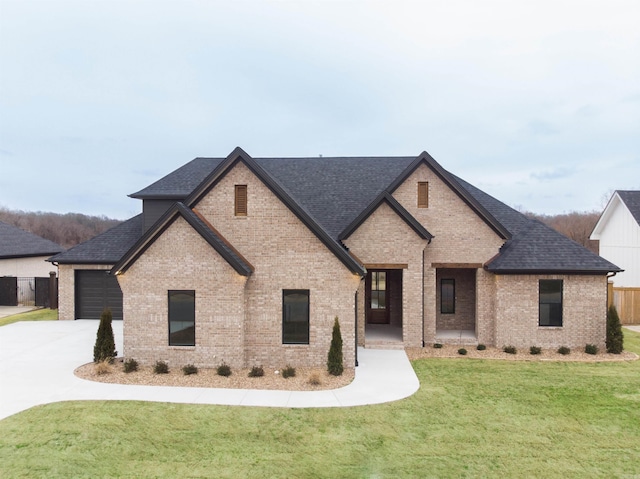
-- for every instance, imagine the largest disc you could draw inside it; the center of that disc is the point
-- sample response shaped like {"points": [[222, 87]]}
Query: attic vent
{"points": [[423, 194], [241, 200]]}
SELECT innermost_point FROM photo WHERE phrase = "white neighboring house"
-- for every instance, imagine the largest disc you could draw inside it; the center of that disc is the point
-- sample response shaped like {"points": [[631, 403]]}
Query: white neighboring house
{"points": [[23, 255], [618, 231]]}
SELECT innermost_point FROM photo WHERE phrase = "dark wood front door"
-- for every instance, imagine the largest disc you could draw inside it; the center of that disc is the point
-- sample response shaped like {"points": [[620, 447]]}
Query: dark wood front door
{"points": [[377, 297]]}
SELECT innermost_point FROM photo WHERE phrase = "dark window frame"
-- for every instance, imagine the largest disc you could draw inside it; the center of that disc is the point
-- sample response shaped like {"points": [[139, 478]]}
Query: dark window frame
{"points": [[549, 316], [291, 335], [376, 293], [170, 293], [450, 306]]}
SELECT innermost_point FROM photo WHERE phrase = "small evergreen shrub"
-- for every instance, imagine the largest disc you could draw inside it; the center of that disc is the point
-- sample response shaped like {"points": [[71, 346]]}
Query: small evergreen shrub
{"points": [[288, 372], [161, 367], [224, 370], [334, 358], [189, 369], [256, 372], [130, 365], [591, 349], [535, 350], [105, 347], [462, 351], [615, 337], [510, 349], [103, 367], [437, 345], [481, 347], [564, 350], [314, 379]]}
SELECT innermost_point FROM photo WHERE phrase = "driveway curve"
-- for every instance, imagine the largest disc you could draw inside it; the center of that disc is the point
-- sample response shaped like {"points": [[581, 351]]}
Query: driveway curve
{"points": [[37, 360]]}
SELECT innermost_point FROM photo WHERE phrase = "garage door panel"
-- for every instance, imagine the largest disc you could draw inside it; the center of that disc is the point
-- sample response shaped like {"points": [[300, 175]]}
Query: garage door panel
{"points": [[95, 291]]}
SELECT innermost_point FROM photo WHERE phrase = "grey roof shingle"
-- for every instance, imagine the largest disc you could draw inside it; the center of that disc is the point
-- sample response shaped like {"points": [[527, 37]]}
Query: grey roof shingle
{"points": [[17, 243], [632, 200], [334, 191], [106, 248]]}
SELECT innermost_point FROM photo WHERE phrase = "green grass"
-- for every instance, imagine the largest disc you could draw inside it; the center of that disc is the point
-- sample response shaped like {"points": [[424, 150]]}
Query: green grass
{"points": [[470, 418], [36, 315]]}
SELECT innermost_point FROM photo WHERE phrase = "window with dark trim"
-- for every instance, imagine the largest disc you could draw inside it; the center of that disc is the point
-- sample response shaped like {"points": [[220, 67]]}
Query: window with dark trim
{"points": [[295, 316], [182, 318], [448, 296], [423, 194], [378, 290], [241, 200], [550, 302]]}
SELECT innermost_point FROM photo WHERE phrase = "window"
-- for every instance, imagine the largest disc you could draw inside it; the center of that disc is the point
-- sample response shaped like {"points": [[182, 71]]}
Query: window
{"points": [[295, 316], [378, 290], [448, 296], [423, 194], [550, 294], [241, 200], [182, 318]]}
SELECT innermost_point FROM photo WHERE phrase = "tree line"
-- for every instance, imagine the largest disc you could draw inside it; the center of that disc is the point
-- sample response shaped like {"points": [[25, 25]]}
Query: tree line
{"points": [[72, 228], [65, 229]]}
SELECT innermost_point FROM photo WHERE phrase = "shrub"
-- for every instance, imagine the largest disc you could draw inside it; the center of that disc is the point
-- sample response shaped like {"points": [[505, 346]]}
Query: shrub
{"points": [[591, 349], [510, 349], [334, 358], [105, 347], [288, 372], [564, 350], [130, 365], [437, 345], [615, 338], [103, 367], [314, 379], [160, 367], [481, 347], [535, 350], [224, 370], [189, 369], [462, 351], [256, 372]]}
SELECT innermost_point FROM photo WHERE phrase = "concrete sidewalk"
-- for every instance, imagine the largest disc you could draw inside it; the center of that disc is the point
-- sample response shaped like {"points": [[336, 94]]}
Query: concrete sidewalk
{"points": [[37, 360], [11, 310]]}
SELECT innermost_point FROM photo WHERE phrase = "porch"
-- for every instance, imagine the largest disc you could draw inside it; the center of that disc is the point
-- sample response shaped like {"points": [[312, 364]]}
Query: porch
{"points": [[456, 336], [383, 336]]}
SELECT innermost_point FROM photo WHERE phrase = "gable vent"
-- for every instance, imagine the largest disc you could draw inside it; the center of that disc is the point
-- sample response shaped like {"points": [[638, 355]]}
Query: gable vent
{"points": [[241, 200]]}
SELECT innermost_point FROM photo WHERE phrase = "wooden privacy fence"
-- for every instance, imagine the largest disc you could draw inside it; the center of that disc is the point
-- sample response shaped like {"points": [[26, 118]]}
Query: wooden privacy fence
{"points": [[627, 302]]}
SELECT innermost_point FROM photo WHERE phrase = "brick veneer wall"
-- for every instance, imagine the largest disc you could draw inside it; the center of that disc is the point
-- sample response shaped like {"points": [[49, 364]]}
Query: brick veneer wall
{"points": [[285, 255], [67, 287], [464, 316], [584, 312]]}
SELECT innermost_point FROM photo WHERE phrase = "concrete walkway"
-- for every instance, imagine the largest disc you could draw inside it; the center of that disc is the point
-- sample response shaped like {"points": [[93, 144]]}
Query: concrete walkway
{"points": [[37, 360]]}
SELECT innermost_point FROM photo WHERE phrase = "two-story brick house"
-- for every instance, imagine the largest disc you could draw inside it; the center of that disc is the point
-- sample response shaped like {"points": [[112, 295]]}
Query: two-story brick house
{"points": [[248, 261]]}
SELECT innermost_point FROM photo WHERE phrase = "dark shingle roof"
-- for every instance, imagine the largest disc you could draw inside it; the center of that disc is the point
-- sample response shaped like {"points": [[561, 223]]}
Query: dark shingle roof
{"points": [[209, 234], [331, 194], [538, 248], [106, 248], [632, 200], [17, 243]]}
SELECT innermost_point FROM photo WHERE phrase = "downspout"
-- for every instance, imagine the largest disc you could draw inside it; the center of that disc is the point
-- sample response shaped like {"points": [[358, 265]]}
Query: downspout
{"points": [[423, 304], [356, 323], [610, 275]]}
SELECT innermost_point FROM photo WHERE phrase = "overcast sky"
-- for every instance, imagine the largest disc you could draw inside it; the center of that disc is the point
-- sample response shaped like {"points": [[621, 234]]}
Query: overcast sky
{"points": [[535, 102]]}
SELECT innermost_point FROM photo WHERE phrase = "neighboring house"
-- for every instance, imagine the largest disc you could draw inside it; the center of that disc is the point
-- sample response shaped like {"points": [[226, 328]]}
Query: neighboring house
{"points": [[23, 257], [618, 231], [248, 261]]}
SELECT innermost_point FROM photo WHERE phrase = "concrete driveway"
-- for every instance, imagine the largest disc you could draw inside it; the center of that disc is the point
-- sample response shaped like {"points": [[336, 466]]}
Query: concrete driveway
{"points": [[37, 360], [11, 310]]}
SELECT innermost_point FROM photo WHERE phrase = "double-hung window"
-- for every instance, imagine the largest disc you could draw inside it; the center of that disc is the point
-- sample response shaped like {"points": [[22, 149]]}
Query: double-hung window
{"points": [[295, 316], [182, 318], [550, 302]]}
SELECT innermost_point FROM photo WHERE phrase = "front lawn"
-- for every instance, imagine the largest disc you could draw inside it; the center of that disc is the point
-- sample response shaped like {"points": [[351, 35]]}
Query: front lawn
{"points": [[45, 314], [470, 418]]}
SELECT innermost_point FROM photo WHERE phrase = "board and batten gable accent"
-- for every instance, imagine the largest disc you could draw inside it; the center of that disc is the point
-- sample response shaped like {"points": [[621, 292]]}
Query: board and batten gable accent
{"points": [[285, 255]]}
